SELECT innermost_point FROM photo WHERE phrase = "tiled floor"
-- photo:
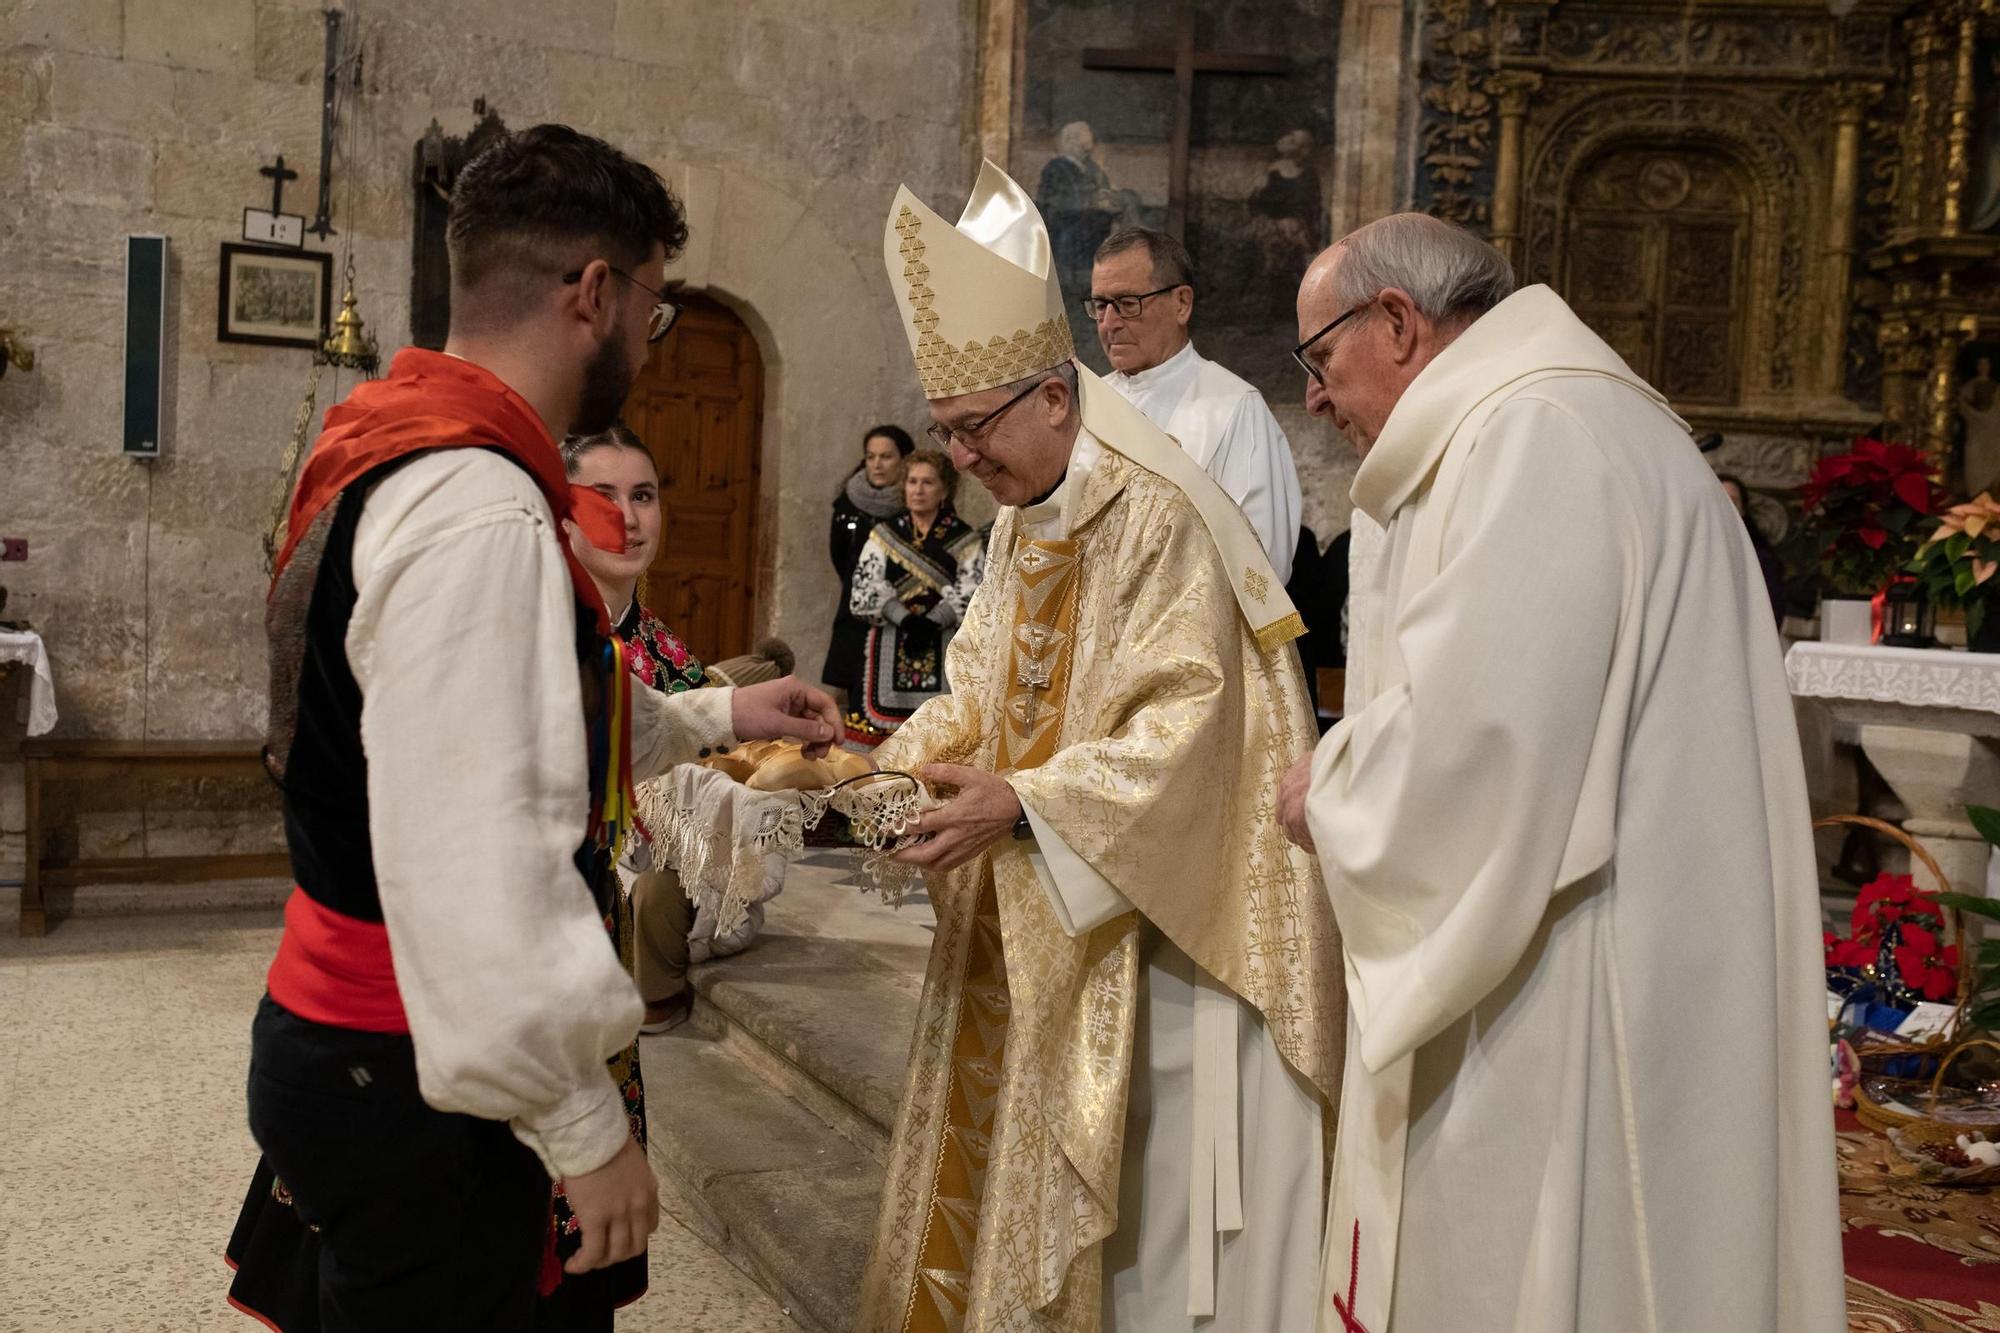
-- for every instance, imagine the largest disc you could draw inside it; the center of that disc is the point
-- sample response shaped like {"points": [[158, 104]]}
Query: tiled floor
{"points": [[123, 1150]]}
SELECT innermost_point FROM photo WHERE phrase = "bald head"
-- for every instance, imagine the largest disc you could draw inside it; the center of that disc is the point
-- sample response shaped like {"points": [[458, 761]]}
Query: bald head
{"points": [[1402, 288]]}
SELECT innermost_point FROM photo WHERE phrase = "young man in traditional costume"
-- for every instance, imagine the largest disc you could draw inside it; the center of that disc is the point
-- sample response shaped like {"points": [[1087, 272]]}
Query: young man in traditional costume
{"points": [[456, 733], [1131, 1023], [1142, 295], [1564, 828]]}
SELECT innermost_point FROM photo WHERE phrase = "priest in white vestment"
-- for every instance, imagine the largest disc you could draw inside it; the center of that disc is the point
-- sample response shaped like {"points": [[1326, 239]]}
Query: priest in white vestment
{"points": [[1564, 828], [1142, 296], [1130, 1028]]}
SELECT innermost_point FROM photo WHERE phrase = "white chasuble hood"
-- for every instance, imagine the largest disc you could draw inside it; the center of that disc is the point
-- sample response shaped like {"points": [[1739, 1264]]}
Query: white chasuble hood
{"points": [[1532, 334]]}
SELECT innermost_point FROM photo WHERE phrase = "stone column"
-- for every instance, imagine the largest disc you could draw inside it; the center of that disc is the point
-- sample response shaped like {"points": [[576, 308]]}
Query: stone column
{"points": [[1850, 100], [1941, 384], [1958, 138], [1513, 89]]}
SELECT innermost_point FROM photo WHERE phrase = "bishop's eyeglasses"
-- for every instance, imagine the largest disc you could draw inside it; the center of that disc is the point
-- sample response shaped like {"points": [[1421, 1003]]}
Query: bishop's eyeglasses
{"points": [[665, 312], [944, 434]]}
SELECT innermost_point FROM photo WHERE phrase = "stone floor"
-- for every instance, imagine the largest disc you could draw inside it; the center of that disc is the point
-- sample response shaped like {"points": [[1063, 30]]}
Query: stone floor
{"points": [[123, 1150]]}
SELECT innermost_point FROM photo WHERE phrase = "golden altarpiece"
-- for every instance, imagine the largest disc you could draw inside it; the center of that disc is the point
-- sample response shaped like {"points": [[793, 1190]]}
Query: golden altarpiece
{"points": [[1773, 210]]}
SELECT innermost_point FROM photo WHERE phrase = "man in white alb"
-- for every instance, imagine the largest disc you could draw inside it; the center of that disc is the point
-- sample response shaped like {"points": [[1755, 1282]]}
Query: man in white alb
{"points": [[1142, 296], [1564, 828]]}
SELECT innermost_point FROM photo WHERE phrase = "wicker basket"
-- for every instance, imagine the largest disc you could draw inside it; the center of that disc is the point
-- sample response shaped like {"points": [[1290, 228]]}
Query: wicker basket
{"points": [[1919, 1140], [1875, 1114]]}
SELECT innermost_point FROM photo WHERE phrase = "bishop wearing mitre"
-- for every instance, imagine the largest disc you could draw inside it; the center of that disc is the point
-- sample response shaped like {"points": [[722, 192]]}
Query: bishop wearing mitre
{"points": [[1131, 1028]]}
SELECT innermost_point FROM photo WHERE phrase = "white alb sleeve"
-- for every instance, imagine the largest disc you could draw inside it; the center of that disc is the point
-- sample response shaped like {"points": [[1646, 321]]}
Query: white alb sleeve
{"points": [[463, 643]]}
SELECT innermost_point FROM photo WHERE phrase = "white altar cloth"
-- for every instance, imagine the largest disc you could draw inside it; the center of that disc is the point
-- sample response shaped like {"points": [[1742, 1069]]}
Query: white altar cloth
{"points": [[26, 647]]}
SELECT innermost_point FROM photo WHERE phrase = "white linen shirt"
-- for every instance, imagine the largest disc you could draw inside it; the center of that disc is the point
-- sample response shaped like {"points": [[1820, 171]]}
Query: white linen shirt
{"points": [[462, 641]]}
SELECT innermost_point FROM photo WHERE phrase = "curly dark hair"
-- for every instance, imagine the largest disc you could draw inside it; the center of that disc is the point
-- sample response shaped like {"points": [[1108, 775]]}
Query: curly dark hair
{"points": [[543, 199]]}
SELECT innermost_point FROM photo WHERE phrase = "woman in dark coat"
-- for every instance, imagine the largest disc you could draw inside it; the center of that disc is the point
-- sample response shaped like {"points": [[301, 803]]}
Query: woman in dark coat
{"points": [[872, 493]]}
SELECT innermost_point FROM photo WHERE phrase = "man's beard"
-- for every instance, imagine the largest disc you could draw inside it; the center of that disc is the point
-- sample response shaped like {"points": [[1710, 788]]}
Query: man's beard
{"points": [[607, 379]]}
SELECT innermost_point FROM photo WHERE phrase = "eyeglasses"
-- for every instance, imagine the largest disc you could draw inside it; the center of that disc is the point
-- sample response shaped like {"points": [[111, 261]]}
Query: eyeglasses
{"points": [[1299, 352], [1128, 307], [944, 434], [665, 312]]}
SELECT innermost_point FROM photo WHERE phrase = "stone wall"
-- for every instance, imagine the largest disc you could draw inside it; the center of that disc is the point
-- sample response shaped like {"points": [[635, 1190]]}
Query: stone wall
{"points": [[787, 127]]}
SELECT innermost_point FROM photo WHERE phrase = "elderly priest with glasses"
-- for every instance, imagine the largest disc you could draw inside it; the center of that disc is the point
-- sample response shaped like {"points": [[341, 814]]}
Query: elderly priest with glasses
{"points": [[1142, 296], [1564, 828], [1130, 1032]]}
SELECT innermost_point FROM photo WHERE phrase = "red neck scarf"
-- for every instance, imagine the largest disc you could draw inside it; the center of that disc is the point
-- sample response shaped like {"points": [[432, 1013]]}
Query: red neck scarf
{"points": [[433, 401]]}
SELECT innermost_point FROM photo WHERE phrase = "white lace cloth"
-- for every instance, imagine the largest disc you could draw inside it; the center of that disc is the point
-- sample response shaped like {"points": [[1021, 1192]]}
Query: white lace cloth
{"points": [[26, 647], [730, 844], [1912, 677]]}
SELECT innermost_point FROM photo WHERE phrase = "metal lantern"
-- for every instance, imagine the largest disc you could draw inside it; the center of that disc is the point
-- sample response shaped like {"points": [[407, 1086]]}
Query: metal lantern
{"points": [[1907, 617]]}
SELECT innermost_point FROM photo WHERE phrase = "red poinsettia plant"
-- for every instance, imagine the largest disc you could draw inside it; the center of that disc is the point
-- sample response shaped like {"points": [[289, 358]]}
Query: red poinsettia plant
{"points": [[1866, 505], [1897, 931]]}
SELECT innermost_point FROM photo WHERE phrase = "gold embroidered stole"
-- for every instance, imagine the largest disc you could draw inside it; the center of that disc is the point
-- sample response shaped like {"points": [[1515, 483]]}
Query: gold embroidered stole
{"points": [[1041, 651], [1047, 574]]}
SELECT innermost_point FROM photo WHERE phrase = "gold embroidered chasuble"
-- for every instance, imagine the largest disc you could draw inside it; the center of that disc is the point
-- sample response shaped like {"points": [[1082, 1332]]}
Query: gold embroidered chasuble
{"points": [[1115, 675]]}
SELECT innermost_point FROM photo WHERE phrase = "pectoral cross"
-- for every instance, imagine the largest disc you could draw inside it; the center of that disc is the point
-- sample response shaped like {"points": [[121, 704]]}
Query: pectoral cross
{"points": [[279, 174], [1183, 62], [1032, 673]]}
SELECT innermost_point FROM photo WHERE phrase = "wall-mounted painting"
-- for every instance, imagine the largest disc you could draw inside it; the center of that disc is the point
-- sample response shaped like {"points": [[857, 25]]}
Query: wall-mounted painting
{"points": [[1214, 121], [271, 296]]}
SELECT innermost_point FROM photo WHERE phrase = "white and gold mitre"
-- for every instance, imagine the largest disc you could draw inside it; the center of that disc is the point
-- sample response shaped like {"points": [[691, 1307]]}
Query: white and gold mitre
{"points": [[980, 300]]}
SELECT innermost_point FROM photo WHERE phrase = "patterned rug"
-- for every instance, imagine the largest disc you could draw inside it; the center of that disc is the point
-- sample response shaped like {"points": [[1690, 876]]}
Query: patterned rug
{"points": [[1919, 1259]]}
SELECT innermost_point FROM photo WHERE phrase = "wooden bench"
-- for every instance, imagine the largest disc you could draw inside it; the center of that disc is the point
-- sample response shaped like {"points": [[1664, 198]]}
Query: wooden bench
{"points": [[49, 760]]}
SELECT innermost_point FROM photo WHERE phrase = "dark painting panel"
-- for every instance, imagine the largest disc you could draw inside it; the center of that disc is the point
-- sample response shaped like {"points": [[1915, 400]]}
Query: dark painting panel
{"points": [[1095, 145]]}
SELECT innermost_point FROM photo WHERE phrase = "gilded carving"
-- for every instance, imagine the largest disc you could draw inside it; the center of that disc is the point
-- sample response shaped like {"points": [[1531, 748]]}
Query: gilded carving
{"points": [[1623, 38], [1731, 126], [1935, 281], [1456, 131]]}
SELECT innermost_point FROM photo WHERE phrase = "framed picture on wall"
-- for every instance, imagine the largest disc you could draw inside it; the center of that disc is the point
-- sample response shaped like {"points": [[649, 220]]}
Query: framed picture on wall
{"points": [[280, 298]]}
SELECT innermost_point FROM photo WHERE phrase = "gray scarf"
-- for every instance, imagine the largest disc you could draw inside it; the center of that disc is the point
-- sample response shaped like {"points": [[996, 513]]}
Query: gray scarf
{"points": [[878, 502]]}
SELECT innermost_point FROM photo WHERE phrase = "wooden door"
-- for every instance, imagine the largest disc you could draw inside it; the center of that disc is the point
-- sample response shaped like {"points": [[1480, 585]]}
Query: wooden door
{"points": [[698, 406], [1657, 258]]}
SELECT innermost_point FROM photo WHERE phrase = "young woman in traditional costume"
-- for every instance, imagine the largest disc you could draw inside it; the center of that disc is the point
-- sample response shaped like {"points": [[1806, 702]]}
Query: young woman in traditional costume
{"points": [[649, 923], [872, 494], [911, 586]]}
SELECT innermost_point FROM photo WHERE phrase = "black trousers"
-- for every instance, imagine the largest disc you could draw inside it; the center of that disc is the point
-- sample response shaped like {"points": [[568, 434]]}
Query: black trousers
{"points": [[427, 1221]]}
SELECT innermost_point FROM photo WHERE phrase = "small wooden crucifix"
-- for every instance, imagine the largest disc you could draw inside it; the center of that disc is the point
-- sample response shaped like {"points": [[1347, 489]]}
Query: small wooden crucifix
{"points": [[1183, 62], [279, 174]]}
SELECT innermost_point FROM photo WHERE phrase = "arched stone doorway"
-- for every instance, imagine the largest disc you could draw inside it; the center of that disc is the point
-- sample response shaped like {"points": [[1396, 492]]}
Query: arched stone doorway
{"points": [[699, 406]]}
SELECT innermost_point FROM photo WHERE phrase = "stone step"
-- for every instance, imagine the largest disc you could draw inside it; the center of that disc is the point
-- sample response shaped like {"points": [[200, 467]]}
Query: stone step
{"points": [[760, 1177], [830, 989], [771, 1110]]}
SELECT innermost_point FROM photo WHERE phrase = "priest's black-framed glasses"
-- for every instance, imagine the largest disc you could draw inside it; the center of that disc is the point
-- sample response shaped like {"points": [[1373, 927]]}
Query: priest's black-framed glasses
{"points": [[665, 312], [1127, 306], [1299, 352], [944, 434]]}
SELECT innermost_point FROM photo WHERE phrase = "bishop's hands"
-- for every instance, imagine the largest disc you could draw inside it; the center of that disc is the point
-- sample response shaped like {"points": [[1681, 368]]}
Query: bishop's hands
{"points": [[785, 709], [984, 811], [1292, 793]]}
